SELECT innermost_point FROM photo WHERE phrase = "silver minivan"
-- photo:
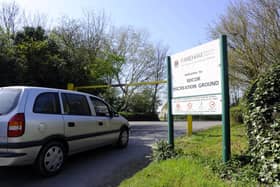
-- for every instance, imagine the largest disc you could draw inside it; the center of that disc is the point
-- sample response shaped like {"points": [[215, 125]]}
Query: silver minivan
{"points": [[42, 126]]}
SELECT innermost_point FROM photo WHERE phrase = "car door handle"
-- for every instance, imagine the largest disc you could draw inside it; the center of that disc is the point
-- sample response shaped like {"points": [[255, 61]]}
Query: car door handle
{"points": [[71, 124], [100, 123]]}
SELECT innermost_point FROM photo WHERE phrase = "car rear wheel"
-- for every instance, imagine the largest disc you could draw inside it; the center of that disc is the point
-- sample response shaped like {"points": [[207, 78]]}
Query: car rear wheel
{"points": [[51, 159], [123, 138]]}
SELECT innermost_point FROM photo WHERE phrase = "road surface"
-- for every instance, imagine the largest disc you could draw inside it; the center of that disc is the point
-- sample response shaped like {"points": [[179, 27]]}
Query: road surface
{"points": [[105, 167]]}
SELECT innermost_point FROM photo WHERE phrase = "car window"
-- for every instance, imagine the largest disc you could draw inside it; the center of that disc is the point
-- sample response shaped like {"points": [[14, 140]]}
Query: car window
{"points": [[8, 99], [101, 109], [47, 103], [75, 104]]}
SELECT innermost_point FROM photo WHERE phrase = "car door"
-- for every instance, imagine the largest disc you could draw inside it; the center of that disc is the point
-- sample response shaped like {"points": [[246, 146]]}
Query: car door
{"points": [[43, 115], [110, 127], [81, 127]]}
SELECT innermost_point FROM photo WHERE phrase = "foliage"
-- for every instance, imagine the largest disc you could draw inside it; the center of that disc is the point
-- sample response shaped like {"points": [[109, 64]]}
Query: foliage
{"points": [[181, 172], [253, 38], [163, 151], [236, 114], [39, 58], [136, 116], [237, 168], [84, 51], [200, 163], [142, 62], [253, 31], [263, 121], [143, 102]]}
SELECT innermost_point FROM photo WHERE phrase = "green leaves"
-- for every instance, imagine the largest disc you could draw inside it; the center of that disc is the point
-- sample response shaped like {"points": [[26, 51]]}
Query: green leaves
{"points": [[262, 119], [163, 151]]}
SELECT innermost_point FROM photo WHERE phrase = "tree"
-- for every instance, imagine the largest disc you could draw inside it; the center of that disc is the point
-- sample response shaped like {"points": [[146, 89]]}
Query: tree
{"points": [[253, 29], [141, 102], [68, 37], [136, 60], [39, 58], [34, 20], [9, 17], [85, 51], [158, 73], [83, 41]]}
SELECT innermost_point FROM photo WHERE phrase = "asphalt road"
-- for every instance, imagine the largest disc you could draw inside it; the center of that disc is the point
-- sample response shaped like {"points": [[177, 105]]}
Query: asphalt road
{"points": [[104, 167]]}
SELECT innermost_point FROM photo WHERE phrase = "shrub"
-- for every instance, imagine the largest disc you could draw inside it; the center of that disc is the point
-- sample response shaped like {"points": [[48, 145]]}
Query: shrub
{"points": [[262, 118], [163, 151], [236, 169], [236, 114], [131, 116]]}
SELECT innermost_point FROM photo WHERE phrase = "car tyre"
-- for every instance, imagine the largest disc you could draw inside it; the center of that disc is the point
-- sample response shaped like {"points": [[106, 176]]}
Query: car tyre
{"points": [[51, 159], [123, 138]]}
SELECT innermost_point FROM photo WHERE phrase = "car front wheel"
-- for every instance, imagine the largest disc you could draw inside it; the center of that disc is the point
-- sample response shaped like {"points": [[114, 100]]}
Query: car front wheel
{"points": [[123, 138]]}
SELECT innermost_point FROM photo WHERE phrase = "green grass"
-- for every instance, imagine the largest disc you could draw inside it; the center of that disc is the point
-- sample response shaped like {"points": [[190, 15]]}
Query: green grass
{"points": [[193, 169], [208, 143]]}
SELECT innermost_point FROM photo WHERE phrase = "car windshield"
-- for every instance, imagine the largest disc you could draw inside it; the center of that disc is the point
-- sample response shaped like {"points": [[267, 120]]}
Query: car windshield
{"points": [[8, 99]]}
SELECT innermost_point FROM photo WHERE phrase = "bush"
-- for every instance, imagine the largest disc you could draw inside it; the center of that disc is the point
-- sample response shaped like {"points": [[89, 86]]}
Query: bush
{"points": [[163, 151], [236, 114], [236, 169], [130, 116], [262, 118]]}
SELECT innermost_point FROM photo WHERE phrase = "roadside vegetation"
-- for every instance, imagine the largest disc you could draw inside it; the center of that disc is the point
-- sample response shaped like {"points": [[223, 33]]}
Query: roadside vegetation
{"points": [[89, 50], [195, 162], [255, 146]]}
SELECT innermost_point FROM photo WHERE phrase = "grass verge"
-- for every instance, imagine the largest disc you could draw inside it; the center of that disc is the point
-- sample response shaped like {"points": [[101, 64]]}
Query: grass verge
{"points": [[201, 151]]}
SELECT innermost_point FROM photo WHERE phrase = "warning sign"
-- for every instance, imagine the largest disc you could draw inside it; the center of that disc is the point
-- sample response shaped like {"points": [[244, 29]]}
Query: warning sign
{"points": [[201, 105]]}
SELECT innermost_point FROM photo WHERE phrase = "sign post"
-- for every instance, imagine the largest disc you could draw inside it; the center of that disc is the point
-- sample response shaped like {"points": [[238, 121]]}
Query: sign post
{"points": [[170, 116], [225, 99], [198, 85], [189, 121]]}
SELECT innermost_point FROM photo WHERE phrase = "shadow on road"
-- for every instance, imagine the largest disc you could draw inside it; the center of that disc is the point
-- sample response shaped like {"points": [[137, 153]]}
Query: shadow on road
{"points": [[85, 169], [104, 167]]}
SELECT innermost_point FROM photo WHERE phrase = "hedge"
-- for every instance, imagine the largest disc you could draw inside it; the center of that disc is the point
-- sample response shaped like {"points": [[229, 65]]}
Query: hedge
{"points": [[236, 114], [130, 116], [262, 118]]}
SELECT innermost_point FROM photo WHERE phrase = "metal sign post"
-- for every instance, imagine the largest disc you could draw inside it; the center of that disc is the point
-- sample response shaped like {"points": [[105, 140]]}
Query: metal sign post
{"points": [[198, 85], [225, 99], [170, 116]]}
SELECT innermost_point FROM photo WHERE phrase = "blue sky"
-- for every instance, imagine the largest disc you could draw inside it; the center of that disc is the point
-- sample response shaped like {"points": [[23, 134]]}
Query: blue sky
{"points": [[181, 24]]}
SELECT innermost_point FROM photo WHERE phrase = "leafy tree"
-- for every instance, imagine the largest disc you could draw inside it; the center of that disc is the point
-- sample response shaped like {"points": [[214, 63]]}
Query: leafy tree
{"points": [[39, 58], [141, 61], [141, 102], [84, 45], [86, 51], [253, 30], [158, 73]]}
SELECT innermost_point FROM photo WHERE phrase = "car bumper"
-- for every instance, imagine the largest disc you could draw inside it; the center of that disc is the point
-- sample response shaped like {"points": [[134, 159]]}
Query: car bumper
{"points": [[11, 155], [18, 156]]}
